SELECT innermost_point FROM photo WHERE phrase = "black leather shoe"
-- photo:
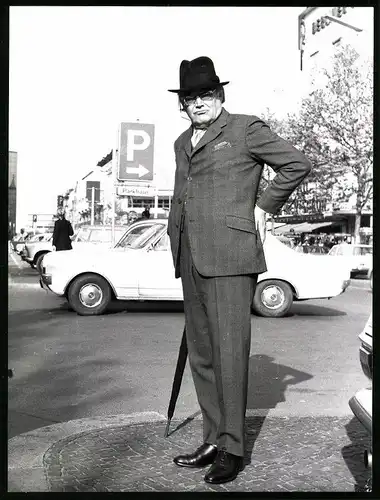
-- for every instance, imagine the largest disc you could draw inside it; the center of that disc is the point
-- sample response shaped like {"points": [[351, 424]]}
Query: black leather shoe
{"points": [[204, 455], [225, 468]]}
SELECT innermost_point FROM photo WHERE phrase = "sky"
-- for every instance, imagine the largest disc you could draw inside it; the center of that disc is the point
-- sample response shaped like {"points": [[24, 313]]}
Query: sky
{"points": [[76, 73]]}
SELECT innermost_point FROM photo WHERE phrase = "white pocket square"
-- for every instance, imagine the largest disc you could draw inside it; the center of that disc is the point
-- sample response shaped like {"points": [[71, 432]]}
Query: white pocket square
{"points": [[221, 145]]}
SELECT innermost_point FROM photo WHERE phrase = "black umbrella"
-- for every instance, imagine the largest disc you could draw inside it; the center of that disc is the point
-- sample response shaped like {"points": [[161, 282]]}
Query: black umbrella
{"points": [[181, 363]]}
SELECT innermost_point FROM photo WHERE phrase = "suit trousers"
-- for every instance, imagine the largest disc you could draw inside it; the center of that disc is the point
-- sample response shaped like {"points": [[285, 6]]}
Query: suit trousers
{"points": [[218, 330]]}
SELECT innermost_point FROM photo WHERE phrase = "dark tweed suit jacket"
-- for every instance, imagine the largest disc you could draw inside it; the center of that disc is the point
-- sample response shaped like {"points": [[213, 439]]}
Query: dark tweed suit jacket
{"points": [[219, 180]]}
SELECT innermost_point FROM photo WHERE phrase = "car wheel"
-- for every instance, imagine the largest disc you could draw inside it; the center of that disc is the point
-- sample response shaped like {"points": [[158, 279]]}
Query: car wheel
{"points": [[39, 262], [89, 295], [273, 298]]}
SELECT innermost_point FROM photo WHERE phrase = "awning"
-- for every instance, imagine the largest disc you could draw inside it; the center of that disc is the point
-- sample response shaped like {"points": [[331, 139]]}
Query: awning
{"points": [[304, 227]]}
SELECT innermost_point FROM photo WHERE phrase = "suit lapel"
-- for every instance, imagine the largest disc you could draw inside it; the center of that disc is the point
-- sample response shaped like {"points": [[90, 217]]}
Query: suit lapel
{"points": [[186, 141], [213, 131]]}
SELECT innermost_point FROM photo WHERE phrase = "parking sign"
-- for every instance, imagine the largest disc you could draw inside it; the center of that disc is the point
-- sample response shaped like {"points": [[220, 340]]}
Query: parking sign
{"points": [[136, 152]]}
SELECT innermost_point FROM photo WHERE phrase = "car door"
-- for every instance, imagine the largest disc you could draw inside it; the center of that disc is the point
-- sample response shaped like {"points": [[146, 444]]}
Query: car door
{"points": [[127, 259], [156, 279]]}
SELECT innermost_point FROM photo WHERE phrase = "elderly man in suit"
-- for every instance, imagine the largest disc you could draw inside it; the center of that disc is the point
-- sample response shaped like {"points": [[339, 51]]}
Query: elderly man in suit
{"points": [[217, 229]]}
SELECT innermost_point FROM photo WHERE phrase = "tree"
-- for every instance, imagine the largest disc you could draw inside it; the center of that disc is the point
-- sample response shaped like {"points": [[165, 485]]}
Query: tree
{"points": [[310, 196], [334, 128], [344, 114]]}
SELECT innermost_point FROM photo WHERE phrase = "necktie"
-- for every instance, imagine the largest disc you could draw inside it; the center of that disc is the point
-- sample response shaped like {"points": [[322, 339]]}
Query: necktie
{"points": [[197, 135]]}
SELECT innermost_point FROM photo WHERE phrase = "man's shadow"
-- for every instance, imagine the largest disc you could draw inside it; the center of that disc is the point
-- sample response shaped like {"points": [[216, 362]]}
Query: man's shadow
{"points": [[267, 383]]}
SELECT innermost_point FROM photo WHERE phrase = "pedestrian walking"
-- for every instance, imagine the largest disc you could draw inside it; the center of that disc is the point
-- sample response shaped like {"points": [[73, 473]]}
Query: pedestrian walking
{"points": [[62, 232], [217, 229]]}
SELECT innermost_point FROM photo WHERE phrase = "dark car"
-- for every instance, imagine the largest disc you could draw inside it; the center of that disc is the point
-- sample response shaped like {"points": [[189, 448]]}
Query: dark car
{"points": [[361, 402]]}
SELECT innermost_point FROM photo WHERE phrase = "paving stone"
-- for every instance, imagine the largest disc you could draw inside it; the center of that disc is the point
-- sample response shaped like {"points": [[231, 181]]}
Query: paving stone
{"points": [[293, 454]]}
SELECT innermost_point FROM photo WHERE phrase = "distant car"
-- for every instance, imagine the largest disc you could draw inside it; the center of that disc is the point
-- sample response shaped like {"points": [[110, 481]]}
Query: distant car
{"points": [[18, 242], [358, 257], [86, 237], [312, 249], [361, 402], [140, 267]]}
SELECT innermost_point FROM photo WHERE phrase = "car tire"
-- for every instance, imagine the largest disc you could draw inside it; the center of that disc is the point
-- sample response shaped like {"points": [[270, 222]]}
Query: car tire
{"points": [[89, 295], [272, 298], [38, 263]]}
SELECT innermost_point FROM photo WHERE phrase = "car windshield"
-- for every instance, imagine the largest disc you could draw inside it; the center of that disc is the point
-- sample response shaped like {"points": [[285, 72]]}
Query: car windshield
{"points": [[83, 234], [139, 236], [104, 235]]}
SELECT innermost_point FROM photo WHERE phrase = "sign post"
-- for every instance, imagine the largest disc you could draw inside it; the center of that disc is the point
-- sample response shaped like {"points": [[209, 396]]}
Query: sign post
{"points": [[114, 182]]}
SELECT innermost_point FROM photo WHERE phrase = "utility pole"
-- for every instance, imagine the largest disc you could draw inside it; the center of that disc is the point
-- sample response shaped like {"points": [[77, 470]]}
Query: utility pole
{"points": [[92, 205], [114, 181]]}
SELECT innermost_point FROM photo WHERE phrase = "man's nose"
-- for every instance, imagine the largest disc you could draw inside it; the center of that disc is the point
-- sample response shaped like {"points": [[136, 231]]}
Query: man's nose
{"points": [[198, 101]]}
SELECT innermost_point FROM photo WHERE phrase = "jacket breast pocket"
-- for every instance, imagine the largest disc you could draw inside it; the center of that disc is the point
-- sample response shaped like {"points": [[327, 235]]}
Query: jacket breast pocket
{"points": [[241, 223]]}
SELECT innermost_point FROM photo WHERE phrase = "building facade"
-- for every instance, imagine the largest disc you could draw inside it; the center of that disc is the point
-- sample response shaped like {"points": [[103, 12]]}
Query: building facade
{"points": [[12, 191], [98, 198]]}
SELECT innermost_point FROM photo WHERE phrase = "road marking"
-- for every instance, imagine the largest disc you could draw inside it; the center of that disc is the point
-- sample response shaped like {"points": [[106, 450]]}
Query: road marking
{"points": [[15, 261]]}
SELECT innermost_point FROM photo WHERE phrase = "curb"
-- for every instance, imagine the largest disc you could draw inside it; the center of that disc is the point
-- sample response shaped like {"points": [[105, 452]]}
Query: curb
{"points": [[26, 451]]}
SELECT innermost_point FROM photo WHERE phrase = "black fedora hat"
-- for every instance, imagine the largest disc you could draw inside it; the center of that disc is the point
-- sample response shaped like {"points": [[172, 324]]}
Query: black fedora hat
{"points": [[198, 74]]}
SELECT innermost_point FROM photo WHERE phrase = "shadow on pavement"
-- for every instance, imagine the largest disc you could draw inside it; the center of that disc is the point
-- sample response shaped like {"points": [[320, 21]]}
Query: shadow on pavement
{"points": [[353, 453], [185, 422], [149, 306], [131, 306], [267, 384], [268, 381], [299, 309]]}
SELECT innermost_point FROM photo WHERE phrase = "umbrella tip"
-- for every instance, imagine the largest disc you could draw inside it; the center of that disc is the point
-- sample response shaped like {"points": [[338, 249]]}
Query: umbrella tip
{"points": [[167, 428]]}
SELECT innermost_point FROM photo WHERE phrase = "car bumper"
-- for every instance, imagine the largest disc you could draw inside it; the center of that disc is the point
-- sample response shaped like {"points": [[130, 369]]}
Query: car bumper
{"points": [[45, 281], [361, 406], [366, 359]]}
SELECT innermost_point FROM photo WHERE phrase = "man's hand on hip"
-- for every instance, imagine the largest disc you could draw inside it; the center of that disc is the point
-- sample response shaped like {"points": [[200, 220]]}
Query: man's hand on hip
{"points": [[260, 218]]}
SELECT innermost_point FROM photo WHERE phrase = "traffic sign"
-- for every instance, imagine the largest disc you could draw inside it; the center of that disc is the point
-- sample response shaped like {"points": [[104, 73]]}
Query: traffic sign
{"points": [[136, 152]]}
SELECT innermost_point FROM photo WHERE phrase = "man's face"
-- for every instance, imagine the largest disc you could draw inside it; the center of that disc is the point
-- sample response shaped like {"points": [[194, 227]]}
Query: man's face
{"points": [[202, 108]]}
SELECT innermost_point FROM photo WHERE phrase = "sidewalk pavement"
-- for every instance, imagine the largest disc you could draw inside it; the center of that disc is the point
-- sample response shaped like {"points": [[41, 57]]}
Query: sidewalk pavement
{"points": [[129, 453]]}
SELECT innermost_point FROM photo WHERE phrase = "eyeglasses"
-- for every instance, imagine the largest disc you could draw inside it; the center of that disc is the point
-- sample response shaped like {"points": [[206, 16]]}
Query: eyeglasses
{"points": [[204, 96]]}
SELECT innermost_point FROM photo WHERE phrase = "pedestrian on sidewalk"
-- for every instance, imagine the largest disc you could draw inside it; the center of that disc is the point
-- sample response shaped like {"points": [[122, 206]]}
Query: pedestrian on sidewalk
{"points": [[146, 213], [217, 229], [62, 232]]}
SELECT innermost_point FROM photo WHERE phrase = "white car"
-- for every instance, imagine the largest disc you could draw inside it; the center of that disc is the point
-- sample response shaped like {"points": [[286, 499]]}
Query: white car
{"points": [[140, 267], [87, 236], [357, 257]]}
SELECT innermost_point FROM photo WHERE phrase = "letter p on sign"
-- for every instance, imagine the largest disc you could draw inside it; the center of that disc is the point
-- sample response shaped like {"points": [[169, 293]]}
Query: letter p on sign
{"points": [[133, 145], [136, 151]]}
